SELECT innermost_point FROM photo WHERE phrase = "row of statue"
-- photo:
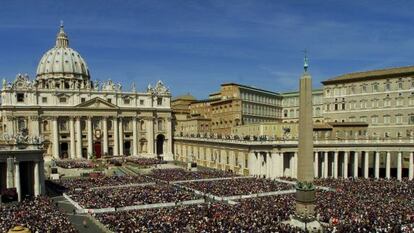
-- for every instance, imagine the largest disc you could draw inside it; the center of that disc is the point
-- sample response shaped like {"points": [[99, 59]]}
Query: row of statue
{"points": [[24, 82]]}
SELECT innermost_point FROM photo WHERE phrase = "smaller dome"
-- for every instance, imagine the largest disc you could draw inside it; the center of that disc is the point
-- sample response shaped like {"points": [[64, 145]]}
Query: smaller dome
{"points": [[62, 61]]}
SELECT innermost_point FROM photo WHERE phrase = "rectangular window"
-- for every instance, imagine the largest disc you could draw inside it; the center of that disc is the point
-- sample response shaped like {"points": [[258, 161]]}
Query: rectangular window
{"points": [[20, 97], [109, 100], [62, 100], [127, 101], [141, 102], [83, 100], [398, 119], [159, 101], [388, 87], [387, 119], [44, 100]]}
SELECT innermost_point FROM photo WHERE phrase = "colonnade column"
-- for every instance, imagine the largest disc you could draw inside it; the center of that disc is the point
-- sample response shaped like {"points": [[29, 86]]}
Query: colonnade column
{"points": [[388, 166], [134, 136], [105, 135], [78, 137], [345, 167], [316, 163], [55, 134], [17, 180], [411, 166], [399, 166], [121, 136], [115, 135], [366, 164], [335, 168], [356, 164], [90, 139], [377, 164], [36, 179], [295, 165], [72, 138], [325, 165]]}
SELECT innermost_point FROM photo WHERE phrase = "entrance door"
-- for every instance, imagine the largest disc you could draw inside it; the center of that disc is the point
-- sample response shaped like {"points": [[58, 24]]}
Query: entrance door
{"points": [[97, 149], [64, 150], [160, 144]]}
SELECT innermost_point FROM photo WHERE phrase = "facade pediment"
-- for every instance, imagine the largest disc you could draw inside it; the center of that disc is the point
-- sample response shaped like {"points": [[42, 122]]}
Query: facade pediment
{"points": [[97, 103]]}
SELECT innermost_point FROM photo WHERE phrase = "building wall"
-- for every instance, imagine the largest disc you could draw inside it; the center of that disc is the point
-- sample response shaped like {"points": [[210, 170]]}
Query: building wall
{"points": [[290, 104], [385, 103]]}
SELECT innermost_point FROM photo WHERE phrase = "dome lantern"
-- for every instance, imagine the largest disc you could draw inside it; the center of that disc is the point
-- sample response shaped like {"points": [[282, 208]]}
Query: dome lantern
{"points": [[62, 40]]}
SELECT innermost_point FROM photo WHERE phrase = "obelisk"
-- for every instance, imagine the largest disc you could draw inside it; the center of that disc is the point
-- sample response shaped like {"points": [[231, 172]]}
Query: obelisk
{"points": [[304, 216], [305, 191]]}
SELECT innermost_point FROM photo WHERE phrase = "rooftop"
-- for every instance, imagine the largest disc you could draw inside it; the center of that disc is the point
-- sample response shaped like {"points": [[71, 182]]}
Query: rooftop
{"points": [[372, 74]]}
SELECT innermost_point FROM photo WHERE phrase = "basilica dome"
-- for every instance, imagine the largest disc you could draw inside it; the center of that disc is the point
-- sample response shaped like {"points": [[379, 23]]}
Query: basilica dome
{"points": [[62, 62]]}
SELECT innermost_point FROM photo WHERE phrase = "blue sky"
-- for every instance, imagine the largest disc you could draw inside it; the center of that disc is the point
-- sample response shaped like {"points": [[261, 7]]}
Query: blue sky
{"points": [[194, 46]]}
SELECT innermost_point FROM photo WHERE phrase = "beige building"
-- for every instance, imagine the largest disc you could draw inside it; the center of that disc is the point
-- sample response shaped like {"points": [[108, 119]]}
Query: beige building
{"points": [[81, 118], [290, 105], [237, 105], [384, 99], [271, 130]]}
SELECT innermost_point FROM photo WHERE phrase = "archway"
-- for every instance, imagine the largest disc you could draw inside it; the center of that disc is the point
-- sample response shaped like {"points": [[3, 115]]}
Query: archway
{"points": [[97, 149], [160, 144], [127, 148]]}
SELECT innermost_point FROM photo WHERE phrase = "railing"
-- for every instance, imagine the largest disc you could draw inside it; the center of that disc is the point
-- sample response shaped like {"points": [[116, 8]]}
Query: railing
{"points": [[295, 142]]}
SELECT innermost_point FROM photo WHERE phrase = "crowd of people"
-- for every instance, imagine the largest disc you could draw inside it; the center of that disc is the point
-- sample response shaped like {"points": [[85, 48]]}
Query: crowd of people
{"points": [[238, 186], [176, 174], [251, 215], [130, 196], [101, 181], [367, 205], [75, 164], [38, 214], [143, 161]]}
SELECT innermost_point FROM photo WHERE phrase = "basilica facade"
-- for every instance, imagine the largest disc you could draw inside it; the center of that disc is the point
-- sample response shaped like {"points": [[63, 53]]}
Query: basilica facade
{"points": [[78, 117]]}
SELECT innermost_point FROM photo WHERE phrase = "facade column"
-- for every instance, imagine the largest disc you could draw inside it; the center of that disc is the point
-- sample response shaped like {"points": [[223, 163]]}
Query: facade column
{"points": [[134, 137], [377, 164], [55, 134], [269, 162], [90, 139], [17, 180], [78, 137], [72, 138], [411, 166], [326, 164], [366, 164], [345, 167], [399, 166], [9, 173], [36, 179], [169, 139], [150, 135], [316, 164], [121, 136], [388, 166], [356, 164], [115, 136], [105, 135], [335, 168]]}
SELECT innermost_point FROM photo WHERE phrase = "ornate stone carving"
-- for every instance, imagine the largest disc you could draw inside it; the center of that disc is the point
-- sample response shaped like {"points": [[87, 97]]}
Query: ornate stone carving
{"points": [[108, 85], [21, 82], [160, 88]]}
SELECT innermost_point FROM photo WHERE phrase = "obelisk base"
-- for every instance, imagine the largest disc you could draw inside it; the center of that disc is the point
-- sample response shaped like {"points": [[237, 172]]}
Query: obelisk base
{"points": [[310, 224]]}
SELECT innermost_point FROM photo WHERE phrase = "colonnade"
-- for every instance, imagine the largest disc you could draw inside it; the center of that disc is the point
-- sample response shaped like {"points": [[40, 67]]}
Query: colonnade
{"points": [[31, 173], [335, 164]]}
